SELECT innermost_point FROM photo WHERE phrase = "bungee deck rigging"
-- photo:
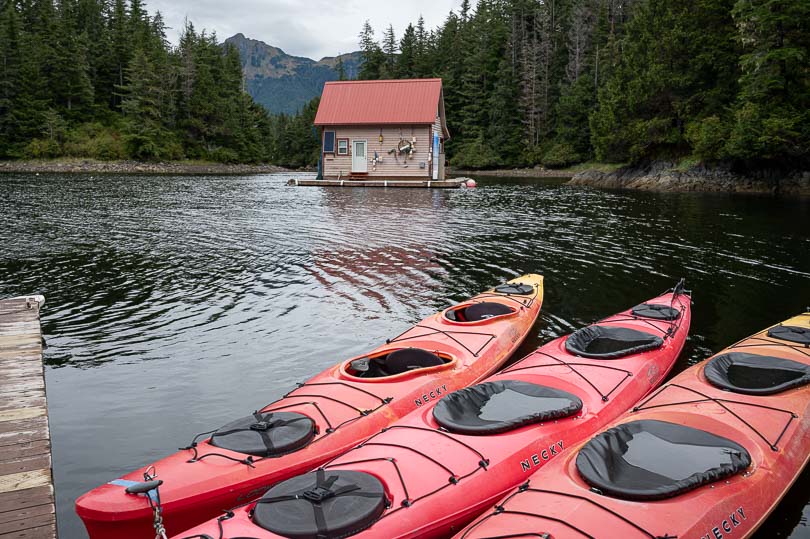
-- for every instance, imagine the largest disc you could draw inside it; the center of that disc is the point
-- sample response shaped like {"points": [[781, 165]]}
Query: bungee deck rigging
{"points": [[443, 464], [756, 422], [321, 417]]}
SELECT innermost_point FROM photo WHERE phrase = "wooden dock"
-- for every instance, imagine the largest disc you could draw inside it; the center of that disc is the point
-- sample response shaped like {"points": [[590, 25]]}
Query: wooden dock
{"points": [[26, 481], [430, 184]]}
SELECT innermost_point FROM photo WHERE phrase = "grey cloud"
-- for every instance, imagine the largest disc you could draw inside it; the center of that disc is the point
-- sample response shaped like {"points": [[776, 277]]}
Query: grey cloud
{"points": [[313, 28]]}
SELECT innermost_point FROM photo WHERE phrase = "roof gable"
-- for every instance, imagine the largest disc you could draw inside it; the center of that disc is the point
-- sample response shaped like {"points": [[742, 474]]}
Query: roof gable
{"points": [[408, 101]]}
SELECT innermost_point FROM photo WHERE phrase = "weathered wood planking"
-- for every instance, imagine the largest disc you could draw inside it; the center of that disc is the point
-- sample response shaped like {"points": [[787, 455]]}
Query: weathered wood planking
{"points": [[26, 481]]}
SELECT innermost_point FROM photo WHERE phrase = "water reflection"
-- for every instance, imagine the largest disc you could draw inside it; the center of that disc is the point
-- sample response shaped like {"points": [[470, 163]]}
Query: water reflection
{"points": [[176, 304]]}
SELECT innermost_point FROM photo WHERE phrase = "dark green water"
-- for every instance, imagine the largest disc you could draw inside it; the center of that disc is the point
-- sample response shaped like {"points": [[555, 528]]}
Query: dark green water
{"points": [[174, 303]]}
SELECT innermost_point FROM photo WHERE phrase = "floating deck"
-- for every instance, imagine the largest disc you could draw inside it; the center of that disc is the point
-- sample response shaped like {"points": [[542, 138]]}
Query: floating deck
{"points": [[432, 184], [26, 482]]}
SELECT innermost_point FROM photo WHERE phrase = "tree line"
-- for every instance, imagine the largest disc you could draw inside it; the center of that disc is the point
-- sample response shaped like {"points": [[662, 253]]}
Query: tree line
{"points": [[557, 82], [98, 78], [526, 82]]}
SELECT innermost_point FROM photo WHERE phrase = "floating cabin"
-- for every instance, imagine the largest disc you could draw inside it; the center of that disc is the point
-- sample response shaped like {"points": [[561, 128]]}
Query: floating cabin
{"points": [[391, 130]]}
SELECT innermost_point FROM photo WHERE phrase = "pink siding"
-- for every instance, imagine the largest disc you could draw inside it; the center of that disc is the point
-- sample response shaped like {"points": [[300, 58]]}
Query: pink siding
{"points": [[392, 166]]}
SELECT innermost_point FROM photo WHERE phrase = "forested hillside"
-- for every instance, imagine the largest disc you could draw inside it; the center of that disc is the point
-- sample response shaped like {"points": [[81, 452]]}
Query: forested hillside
{"points": [[284, 83], [527, 82], [558, 82], [97, 78]]}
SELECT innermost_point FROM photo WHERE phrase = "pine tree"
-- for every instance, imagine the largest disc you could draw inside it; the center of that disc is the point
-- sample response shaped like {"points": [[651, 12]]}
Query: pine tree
{"points": [[373, 57], [389, 48], [70, 73], [144, 134], [408, 47], [772, 114]]}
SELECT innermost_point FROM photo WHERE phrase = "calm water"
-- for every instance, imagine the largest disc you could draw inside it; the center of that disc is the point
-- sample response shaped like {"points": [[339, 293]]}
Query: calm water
{"points": [[177, 303]]}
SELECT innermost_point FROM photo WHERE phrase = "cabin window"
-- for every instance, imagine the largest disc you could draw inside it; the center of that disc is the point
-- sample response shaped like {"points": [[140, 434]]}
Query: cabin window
{"points": [[328, 142], [343, 146]]}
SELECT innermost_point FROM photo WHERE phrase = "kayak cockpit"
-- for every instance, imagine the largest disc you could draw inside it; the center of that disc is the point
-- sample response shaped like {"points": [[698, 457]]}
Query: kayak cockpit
{"points": [[610, 342], [398, 362], [477, 312], [655, 460], [496, 407], [754, 374]]}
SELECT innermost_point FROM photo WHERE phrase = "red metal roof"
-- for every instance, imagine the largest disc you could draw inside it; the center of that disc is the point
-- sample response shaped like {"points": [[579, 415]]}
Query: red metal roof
{"points": [[409, 101]]}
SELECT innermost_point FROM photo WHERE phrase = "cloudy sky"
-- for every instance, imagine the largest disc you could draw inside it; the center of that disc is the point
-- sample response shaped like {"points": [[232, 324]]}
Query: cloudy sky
{"points": [[312, 28]]}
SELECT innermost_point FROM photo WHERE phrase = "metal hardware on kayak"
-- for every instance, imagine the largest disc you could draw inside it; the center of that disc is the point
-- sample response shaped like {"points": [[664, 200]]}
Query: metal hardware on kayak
{"points": [[501, 509], [151, 488], [722, 403]]}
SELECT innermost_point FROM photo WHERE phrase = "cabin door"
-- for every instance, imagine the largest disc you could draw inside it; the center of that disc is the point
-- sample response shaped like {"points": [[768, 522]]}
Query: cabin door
{"points": [[359, 159]]}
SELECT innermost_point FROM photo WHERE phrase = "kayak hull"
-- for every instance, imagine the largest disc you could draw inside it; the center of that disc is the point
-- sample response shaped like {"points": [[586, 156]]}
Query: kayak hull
{"points": [[773, 429], [438, 480], [202, 480]]}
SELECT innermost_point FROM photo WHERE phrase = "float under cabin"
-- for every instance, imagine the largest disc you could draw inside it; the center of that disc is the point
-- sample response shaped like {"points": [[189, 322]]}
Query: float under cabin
{"points": [[382, 130]]}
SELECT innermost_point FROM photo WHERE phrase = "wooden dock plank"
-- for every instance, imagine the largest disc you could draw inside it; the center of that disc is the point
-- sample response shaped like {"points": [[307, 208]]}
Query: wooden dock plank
{"points": [[26, 481]]}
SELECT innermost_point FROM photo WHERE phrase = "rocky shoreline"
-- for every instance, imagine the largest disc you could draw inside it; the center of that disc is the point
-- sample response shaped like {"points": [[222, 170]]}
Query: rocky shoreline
{"points": [[133, 167], [666, 176], [514, 173]]}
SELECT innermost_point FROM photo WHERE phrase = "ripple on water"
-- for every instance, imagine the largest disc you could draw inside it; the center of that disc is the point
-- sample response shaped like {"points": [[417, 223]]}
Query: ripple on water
{"points": [[176, 302]]}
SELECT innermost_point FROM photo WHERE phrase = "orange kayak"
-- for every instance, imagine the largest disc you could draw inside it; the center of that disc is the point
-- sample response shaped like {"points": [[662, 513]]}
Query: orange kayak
{"points": [[707, 456], [319, 419]]}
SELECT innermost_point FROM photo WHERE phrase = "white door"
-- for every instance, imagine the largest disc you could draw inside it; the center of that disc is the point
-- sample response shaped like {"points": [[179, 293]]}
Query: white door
{"points": [[359, 159]]}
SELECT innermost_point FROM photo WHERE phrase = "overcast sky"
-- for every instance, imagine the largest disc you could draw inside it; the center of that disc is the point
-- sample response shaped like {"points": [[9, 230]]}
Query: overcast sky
{"points": [[312, 28]]}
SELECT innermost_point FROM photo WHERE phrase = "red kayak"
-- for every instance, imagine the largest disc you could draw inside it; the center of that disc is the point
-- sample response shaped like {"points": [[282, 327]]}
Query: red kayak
{"points": [[432, 472], [318, 420], [709, 455]]}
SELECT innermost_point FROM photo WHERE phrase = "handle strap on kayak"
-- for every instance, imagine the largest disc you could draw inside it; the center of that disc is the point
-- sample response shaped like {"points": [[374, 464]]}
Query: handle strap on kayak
{"points": [[722, 403], [501, 509]]}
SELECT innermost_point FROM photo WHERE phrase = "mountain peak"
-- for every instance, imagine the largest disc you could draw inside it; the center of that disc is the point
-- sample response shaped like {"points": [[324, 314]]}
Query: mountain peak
{"points": [[284, 83]]}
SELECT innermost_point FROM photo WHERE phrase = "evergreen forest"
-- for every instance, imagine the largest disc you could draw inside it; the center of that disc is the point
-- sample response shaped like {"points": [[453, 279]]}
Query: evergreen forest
{"points": [[526, 83], [559, 82], [98, 79]]}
